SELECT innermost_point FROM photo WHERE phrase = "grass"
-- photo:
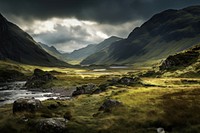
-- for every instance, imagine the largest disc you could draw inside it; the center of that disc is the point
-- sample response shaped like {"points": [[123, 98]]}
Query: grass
{"points": [[144, 109], [171, 103]]}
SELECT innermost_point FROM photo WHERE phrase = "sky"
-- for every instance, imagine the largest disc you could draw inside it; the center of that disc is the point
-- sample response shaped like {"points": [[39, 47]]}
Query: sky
{"points": [[72, 24]]}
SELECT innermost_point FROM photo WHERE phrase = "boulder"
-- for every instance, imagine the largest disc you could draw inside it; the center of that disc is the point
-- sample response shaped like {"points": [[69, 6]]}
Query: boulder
{"points": [[129, 80], [28, 105], [39, 78], [53, 106], [67, 115], [109, 104], [84, 89], [51, 125], [101, 88], [160, 130]]}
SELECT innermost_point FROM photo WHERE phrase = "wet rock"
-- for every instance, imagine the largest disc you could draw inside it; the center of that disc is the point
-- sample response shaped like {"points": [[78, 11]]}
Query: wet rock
{"points": [[51, 125], [39, 78], [3, 99], [109, 104], [28, 105], [84, 89], [129, 80], [160, 130]]}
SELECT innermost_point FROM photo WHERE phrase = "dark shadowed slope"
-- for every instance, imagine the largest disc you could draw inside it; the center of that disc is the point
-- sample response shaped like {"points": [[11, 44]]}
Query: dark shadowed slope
{"points": [[165, 33], [17, 45]]}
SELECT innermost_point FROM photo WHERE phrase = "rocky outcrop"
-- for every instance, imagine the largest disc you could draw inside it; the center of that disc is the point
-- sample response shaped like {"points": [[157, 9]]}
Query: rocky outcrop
{"points": [[109, 104], [27, 105], [84, 89], [39, 78], [129, 80], [180, 60], [101, 88], [51, 125]]}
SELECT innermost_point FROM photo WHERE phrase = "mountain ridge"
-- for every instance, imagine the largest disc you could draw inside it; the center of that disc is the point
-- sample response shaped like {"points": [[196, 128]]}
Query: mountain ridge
{"points": [[163, 34], [82, 53], [19, 46]]}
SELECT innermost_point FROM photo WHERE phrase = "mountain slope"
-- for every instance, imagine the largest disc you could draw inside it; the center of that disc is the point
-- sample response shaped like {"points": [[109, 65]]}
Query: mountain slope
{"points": [[165, 33], [19, 46], [81, 53], [91, 49], [52, 51]]}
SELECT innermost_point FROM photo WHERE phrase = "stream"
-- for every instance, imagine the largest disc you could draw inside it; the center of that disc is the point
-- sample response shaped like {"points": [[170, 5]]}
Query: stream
{"points": [[9, 92]]}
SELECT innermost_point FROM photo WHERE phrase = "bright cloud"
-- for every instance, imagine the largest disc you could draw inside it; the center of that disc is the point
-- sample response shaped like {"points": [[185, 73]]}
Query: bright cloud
{"points": [[70, 33]]}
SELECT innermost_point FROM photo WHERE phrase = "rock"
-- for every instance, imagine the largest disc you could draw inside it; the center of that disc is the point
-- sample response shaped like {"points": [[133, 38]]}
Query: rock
{"points": [[179, 60], [129, 80], [29, 105], [160, 130], [101, 88], [84, 89], [51, 125], [114, 81], [52, 106], [67, 115], [39, 78], [109, 104]]}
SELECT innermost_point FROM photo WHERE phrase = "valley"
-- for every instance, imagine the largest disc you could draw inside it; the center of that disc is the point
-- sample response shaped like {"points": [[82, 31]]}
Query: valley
{"points": [[146, 82], [145, 107]]}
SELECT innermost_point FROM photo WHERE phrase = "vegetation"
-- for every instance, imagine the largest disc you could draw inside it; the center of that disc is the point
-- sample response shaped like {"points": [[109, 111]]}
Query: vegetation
{"points": [[170, 103], [109, 100], [174, 106], [166, 33]]}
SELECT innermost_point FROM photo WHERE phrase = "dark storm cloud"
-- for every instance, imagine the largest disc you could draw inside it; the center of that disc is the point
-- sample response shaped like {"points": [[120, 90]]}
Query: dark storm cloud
{"points": [[63, 35], [103, 11]]}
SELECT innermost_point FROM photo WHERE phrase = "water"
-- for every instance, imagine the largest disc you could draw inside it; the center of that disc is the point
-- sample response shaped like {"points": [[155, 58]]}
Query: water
{"points": [[9, 92], [119, 67], [99, 70]]}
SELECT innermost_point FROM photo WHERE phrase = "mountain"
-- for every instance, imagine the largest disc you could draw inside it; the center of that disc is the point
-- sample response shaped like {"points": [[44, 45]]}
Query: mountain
{"points": [[19, 46], [165, 33], [82, 53], [52, 51]]}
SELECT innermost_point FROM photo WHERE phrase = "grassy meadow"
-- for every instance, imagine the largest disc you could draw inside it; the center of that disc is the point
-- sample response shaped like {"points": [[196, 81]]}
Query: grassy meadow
{"points": [[169, 102]]}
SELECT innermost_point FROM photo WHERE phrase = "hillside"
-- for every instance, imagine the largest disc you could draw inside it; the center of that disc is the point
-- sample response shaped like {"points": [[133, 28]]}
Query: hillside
{"points": [[52, 51], [82, 53], [164, 34], [19, 46], [183, 64]]}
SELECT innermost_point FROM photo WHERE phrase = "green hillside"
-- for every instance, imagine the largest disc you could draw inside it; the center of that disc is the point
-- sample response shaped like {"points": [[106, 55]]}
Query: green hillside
{"points": [[165, 33], [82, 53]]}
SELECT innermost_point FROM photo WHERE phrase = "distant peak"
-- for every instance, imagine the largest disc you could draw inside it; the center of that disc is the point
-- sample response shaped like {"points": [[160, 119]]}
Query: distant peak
{"points": [[53, 47], [113, 37]]}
